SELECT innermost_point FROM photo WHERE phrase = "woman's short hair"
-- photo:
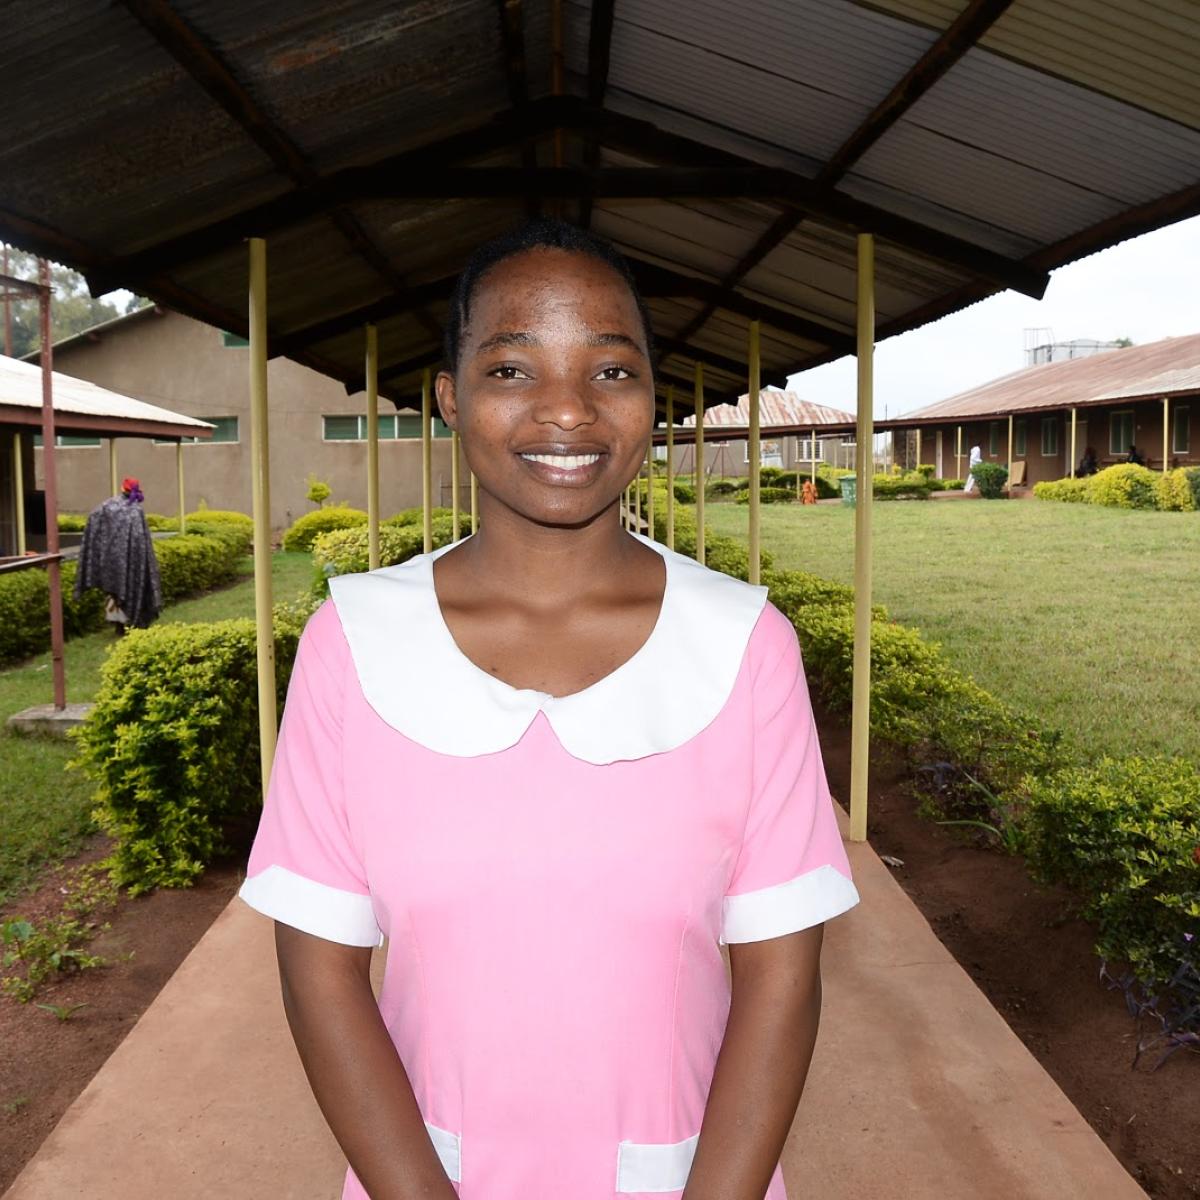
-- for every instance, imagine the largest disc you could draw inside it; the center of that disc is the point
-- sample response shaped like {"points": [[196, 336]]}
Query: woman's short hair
{"points": [[539, 233]]}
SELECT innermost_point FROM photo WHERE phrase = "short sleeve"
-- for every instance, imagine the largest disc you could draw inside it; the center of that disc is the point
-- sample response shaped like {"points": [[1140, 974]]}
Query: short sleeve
{"points": [[792, 870], [305, 868]]}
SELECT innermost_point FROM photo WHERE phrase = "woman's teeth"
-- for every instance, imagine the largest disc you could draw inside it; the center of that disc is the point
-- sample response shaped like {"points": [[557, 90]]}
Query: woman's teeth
{"points": [[566, 462]]}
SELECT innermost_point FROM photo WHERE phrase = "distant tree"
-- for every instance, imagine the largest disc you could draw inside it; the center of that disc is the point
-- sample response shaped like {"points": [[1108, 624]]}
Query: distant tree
{"points": [[1122, 342], [72, 310]]}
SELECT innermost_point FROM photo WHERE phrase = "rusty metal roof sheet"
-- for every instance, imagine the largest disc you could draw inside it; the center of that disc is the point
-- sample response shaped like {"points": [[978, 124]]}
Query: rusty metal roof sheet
{"points": [[1169, 367], [102, 410], [776, 408], [373, 144]]}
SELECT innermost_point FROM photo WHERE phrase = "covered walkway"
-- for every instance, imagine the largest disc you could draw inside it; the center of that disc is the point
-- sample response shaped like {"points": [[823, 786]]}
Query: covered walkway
{"points": [[918, 1088]]}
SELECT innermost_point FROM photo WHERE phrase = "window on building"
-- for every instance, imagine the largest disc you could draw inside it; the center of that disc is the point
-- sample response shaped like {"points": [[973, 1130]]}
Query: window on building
{"points": [[1049, 436], [226, 431], [392, 427], [1019, 440], [1120, 431], [994, 438], [64, 440], [233, 341], [1180, 431]]}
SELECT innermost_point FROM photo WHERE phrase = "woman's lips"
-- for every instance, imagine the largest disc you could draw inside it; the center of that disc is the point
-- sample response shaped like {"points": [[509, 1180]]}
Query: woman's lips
{"points": [[563, 469]]}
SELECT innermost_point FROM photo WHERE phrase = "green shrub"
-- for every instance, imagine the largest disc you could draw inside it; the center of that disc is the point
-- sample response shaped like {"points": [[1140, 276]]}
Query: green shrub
{"points": [[302, 533], [685, 493], [318, 491], [1173, 491], [195, 562], [902, 487], [1126, 485], [947, 485], [172, 744], [346, 551], [186, 564], [158, 523], [71, 522], [1126, 835], [769, 495], [1192, 475], [770, 475], [413, 516], [926, 470], [1067, 491], [991, 478], [720, 487]]}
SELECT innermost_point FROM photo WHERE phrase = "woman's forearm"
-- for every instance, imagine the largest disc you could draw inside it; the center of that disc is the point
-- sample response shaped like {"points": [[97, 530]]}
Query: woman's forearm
{"points": [[355, 1072], [761, 1068]]}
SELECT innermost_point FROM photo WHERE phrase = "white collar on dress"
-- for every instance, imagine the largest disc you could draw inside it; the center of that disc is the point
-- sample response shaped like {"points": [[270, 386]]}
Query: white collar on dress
{"points": [[419, 682]]}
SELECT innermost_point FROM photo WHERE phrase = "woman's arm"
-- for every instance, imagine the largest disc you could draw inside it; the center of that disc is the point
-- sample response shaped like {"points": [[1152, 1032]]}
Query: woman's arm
{"points": [[762, 1066], [356, 1074]]}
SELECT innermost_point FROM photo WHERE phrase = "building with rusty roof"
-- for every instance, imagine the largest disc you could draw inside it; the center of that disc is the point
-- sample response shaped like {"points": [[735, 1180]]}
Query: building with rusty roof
{"points": [[1041, 420]]}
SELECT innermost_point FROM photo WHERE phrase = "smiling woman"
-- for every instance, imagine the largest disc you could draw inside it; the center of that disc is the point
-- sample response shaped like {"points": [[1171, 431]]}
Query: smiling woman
{"points": [[556, 766]]}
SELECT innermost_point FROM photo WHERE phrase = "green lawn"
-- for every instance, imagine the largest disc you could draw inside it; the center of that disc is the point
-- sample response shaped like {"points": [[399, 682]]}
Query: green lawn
{"points": [[44, 807], [1085, 616]]}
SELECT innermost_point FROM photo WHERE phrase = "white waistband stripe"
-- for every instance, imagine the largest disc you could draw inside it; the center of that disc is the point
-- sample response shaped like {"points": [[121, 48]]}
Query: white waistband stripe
{"points": [[655, 1167]]}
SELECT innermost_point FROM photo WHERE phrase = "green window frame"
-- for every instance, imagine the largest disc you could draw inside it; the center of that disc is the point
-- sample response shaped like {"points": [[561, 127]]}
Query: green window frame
{"points": [[233, 341], [68, 441], [1181, 430], [1120, 431], [225, 433], [1049, 436], [352, 427], [1019, 438]]}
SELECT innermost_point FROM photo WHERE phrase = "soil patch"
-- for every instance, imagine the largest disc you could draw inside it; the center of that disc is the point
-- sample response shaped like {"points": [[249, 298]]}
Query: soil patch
{"points": [[44, 1062], [1037, 965]]}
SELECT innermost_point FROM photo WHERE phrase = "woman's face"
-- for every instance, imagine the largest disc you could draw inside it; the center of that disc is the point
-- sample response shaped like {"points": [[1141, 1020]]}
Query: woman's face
{"points": [[553, 397]]}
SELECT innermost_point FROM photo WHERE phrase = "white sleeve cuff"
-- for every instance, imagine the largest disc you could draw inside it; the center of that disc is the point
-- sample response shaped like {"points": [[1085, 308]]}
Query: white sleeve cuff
{"points": [[316, 908], [806, 900]]}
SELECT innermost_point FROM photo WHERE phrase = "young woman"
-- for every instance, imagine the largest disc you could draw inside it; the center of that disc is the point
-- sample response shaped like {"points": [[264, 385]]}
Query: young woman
{"points": [[556, 765]]}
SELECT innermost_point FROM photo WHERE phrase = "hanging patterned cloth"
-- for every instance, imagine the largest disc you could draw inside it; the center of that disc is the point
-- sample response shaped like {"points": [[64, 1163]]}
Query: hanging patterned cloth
{"points": [[117, 556]]}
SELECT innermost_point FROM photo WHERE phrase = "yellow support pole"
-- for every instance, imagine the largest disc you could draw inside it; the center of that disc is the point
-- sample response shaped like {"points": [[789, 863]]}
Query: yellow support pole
{"points": [[427, 457], [698, 466], [860, 730], [179, 485], [261, 466], [372, 379], [670, 466], [812, 447], [799, 460], [455, 519], [637, 501], [1073, 411], [474, 502], [112, 466], [755, 456], [650, 490], [958, 454], [19, 488], [1166, 434]]}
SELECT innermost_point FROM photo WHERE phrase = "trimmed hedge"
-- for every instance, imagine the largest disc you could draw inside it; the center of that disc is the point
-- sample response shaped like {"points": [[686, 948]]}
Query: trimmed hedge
{"points": [[307, 528], [902, 487], [173, 745], [769, 495], [1125, 834], [189, 563], [1128, 485], [990, 478]]}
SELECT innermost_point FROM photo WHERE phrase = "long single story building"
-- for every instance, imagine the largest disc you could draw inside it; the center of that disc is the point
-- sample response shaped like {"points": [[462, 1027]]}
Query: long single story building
{"points": [[317, 428], [1040, 421], [795, 433]]}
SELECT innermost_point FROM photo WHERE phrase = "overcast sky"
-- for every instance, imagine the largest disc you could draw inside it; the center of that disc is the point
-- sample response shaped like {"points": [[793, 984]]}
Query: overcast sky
{"points": [[1144, 289]]}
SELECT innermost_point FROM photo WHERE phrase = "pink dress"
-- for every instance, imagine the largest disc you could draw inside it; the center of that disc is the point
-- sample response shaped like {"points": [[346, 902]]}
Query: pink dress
{"points": [[553, 877]]}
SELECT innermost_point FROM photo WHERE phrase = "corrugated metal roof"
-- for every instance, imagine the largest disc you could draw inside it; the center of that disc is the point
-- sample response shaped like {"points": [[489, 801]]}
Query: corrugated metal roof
{"points": [[1171, 366], [21, 387], [1062, 129], [776, 408]]}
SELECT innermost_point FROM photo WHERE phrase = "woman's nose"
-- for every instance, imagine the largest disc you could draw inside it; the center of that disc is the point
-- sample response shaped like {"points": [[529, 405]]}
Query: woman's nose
{"points": [[564, 404]]}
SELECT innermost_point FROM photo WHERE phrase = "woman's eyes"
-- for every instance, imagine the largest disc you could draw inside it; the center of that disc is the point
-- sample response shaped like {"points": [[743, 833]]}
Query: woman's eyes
{"points": [[613, 374]]}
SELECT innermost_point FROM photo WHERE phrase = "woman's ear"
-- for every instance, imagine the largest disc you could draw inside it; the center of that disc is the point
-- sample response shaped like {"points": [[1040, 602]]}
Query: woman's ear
{"points": [[447, 399]]}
